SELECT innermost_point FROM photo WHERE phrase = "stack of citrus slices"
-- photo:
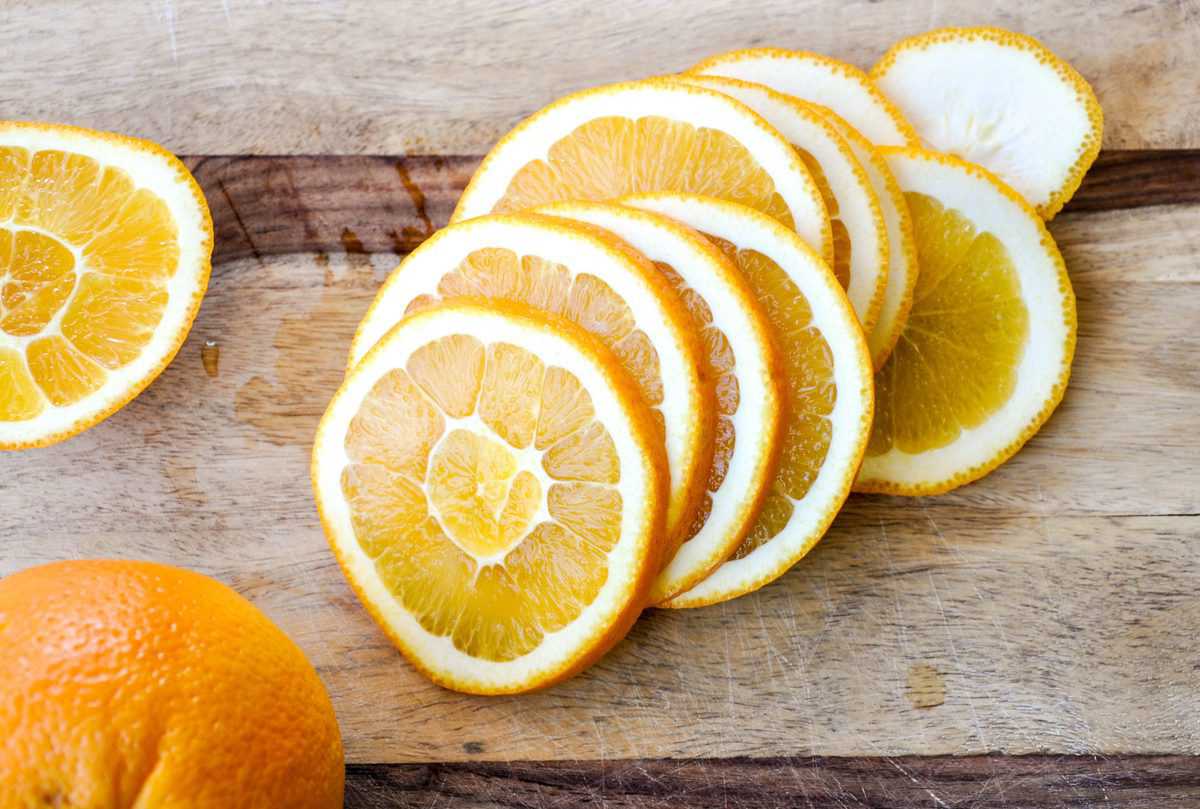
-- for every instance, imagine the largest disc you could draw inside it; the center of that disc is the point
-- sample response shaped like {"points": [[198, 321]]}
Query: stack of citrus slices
{"points": [[672, 324]]}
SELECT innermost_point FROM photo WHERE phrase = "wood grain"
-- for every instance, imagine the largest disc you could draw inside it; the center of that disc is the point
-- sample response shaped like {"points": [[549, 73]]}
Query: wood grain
{"points": [[380, 77], [968, 782]]}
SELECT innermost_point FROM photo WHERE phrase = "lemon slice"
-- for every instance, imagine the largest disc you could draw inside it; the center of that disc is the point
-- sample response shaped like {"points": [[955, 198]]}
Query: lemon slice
{"points": [[829, 395], [742, 358], [1001, 100], [860, 242], [812, 77], [652, 135], [494, 489], [987, 351], [594, 279], [105, 243]]}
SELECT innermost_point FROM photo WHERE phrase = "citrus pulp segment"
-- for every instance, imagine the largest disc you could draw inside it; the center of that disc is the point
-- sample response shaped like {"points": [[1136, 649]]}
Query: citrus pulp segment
{"points": [[742, 358], [650, 135], [860, 243], [987, 351], [592, 278], [812, 77], [494, 488], [105, 244], [1001, 100], [828, 395]]}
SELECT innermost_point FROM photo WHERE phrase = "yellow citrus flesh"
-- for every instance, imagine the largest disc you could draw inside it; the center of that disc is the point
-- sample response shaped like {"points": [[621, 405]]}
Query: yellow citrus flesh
{"points": [[88, 264], [491, 494], [986, 352], [591, 278]]}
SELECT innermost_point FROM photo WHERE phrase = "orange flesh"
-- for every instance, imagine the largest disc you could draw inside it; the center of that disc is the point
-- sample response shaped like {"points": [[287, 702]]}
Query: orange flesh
{"points": [[450, 513], [610, 157], [84, 262], [841, 236], [810, 392], [956, 361]]}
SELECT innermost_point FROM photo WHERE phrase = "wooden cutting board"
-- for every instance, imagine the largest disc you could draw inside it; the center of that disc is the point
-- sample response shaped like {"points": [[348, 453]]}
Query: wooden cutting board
{"points": [[1027, 640]]}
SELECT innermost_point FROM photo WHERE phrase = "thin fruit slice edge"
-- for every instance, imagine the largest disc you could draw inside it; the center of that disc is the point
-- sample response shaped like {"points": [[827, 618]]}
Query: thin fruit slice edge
{"points": [[745, 363], [819, 79], [122, 369], [633, 554], [596, 280], [694, 141], [990, 267], [1001, 100], [821, 342], [860, 251]]}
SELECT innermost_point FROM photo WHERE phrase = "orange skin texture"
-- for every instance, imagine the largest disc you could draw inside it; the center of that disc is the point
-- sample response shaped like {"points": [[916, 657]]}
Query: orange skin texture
{"points": [[133, 684]]}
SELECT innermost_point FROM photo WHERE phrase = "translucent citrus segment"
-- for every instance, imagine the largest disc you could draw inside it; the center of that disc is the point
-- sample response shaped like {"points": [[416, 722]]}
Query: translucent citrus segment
{"points": [[592, 278], [956, 85], [859, 258], [987, 350], [820, 80], [742, 360], [647, 136], [494, 489], [104, 254], [827, 389]]}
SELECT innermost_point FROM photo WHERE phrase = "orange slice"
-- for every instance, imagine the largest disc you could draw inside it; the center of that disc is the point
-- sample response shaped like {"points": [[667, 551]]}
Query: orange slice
{"points": [[829, 393], [105, 244], [594, 279], [494, 488], [652, 135]]}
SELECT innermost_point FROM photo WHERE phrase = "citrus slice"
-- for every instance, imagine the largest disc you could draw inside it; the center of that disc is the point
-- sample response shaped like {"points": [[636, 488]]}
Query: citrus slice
{"points": [[105, 244], [594, 279], [860, 243], [812, 77], [494, 488], [1001, 100], [651, 135], [828, 395], [742, 358], [987, 351]]}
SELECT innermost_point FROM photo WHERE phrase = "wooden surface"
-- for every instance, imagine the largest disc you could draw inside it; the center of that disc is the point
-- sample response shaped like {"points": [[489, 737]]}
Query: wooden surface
{"points": [[1042, 620]]}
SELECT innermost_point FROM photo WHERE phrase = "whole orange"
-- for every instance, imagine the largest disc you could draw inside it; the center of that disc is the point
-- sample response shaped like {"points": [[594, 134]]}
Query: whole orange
{"points": [[132, 684]]}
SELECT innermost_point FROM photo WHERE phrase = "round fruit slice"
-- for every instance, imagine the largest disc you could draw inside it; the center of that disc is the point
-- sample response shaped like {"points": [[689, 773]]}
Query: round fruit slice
{"points": [[1001, 100], [987, 351], [494, 489], [652, 135], [596, 280], [105, 243], [860, 244], [812, 77], [829, 395], [742, 358]]}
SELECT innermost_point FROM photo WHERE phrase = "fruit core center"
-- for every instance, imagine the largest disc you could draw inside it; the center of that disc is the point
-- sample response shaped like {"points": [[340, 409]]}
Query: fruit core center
{"points": [[37, 276]]}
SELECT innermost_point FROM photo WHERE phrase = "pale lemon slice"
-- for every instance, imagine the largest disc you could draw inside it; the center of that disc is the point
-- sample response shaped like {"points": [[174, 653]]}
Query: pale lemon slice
{"points": [[494, 488], [651, 135], [742, 358], [987, 351], [860, 241], [105, 244], [812, 77], [1001, 100], [596, 280], [829, 395]]}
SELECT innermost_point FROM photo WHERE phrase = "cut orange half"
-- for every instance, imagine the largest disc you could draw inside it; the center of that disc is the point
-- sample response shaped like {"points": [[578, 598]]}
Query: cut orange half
{"points": [[596, 280], [105, 244], [860, 242], [494, 488], [1001, 100], [987, 351], [651, 135], [829, 395], [742, 358]]}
